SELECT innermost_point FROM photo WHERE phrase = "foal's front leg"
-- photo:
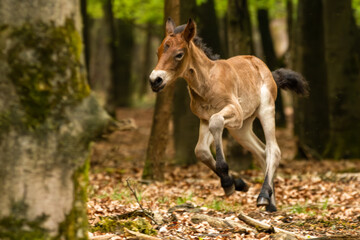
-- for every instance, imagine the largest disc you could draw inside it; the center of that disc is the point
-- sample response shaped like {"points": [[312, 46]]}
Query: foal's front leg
{"points": [[203, 154], [230, 116]]}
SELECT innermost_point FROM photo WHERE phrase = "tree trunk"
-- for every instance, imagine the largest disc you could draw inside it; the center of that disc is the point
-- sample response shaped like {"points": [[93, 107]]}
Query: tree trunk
{"points": [[147, 61], [186, 124], [270, 59], [239, 43], [100, 57], [159, 136], [239, 28], [207, 26], [121, 45], [343, 78], [312, 113], [47, 119], [85, 33]]}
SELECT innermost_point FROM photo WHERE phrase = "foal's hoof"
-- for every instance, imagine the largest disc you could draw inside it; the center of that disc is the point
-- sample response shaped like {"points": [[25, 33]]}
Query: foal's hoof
{"points": [[240, 185], [262, 201], [229, 190], [271, 208]]}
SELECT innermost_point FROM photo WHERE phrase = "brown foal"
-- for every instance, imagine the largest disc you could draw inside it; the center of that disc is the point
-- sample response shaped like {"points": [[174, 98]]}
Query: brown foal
{"points": [[226, 93]]}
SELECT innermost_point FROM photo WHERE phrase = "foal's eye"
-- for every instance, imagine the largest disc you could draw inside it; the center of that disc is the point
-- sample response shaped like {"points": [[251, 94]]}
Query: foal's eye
{"points": [[179, 56]]}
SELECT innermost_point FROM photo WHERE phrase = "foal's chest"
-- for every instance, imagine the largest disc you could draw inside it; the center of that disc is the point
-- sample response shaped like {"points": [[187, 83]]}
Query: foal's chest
{"points": [[200, 107]]}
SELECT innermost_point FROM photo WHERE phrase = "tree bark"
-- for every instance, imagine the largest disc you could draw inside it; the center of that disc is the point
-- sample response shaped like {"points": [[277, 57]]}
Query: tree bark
{"points": [[312, 113], [239, 28], [343, 75], [159, 136], [47, 119], [147, 61]]}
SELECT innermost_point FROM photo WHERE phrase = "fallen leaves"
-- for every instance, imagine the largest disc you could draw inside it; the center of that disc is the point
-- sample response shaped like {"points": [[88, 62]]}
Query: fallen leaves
{"points": [[314, 198]]}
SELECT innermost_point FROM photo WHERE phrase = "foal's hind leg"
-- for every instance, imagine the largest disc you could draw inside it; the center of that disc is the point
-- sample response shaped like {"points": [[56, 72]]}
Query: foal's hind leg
{"points": [[247, 138], [266, 114]]}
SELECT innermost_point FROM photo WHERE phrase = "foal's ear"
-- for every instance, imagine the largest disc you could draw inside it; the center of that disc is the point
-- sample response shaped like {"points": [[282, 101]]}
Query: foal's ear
{"points": [[170, 26], [190, 30]]}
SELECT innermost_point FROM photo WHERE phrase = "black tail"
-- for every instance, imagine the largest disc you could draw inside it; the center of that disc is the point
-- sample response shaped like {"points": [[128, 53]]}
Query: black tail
{"points": [[290, 80]]}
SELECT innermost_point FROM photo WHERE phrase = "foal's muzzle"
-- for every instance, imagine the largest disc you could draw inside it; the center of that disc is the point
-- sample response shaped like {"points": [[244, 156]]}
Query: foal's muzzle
{"points": [[156, 85], [158, 80]]}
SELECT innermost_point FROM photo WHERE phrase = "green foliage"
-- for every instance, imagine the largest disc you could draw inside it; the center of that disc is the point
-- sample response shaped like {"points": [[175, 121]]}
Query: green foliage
{"points": [[139, 11], [220, 8], [44, 62], [111, 225], [95, 8], [356, 8], [277, 8], [16, 226], [184, 199]]}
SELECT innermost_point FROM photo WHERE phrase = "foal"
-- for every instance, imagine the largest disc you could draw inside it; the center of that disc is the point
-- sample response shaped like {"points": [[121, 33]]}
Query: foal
{"points": [[226, 93]]}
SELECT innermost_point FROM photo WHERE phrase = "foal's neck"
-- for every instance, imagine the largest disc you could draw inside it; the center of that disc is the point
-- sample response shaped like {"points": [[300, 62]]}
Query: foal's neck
{"points": [[196, 75]]}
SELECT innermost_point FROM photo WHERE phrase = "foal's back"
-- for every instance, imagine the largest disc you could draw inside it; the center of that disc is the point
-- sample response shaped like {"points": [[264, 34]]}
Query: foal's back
{"points": [[249, 76]]}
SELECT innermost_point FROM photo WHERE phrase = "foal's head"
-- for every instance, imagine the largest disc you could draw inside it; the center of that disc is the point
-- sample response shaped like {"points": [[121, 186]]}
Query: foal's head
{"points": [[172, 54]]}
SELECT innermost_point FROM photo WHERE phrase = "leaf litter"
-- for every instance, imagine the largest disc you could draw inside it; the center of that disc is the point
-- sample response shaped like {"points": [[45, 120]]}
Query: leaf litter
{"points": [[314, 198]]}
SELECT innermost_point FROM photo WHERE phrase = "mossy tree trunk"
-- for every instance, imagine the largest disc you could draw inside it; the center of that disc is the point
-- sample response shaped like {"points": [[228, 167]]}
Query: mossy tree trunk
{"points": [[47, 119], [312, 113], [343, 66], [186, 124], [159, 136]]}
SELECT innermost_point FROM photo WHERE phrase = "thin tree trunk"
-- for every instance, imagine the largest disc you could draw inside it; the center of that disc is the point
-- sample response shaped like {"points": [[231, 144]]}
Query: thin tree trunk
{"points": [[47, 119], [270, 59], [147, 61], [207, 26], [159, 136], [239, 28], [121, 45], [343, 78], [240, 42], [186, 124], [85, 33], [312, 113]]}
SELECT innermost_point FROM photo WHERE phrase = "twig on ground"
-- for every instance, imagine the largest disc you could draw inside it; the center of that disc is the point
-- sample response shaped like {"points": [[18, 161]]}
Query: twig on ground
{"points": [[260, 226], [140, 236], [220, 223], [146, 212]]}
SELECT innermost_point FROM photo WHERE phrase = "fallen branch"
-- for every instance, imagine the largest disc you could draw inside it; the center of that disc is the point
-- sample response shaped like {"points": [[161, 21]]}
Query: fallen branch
{"points": [[139, 236], [103, 237], [220, 223], [264, 227], [146, 212], [260, 226]]}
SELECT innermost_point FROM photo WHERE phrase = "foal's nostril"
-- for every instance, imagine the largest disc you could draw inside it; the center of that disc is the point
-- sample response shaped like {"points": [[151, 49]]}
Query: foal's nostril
{"points": [[158, 81]]}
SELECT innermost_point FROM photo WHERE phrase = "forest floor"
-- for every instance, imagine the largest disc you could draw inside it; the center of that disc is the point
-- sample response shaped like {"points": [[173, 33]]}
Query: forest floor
{"points": [[314, 198]]}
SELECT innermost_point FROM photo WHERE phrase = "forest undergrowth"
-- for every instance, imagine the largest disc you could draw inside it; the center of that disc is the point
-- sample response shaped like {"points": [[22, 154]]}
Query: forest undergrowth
{"points": [[315, 198]]}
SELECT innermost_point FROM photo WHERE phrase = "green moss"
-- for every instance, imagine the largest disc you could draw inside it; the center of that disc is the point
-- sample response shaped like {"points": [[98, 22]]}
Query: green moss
{"points": [[112, 225], [16, 226], [45, 67], [75, 225]]}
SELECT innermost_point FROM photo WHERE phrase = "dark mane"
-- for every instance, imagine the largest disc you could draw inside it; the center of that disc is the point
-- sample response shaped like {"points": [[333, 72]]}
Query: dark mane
{"points": [[199, 43]]}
